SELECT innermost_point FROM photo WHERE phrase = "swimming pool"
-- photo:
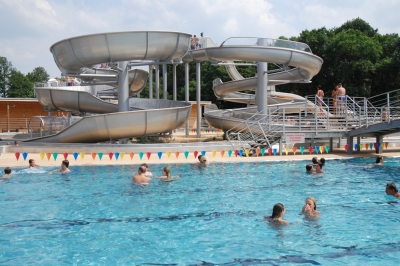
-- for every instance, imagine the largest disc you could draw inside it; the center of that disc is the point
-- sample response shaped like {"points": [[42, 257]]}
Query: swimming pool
{"points": [[211, 215]]}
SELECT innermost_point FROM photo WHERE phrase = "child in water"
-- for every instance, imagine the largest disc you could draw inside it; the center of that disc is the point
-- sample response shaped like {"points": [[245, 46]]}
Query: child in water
{"points": [[277, 214], [310, 208]]}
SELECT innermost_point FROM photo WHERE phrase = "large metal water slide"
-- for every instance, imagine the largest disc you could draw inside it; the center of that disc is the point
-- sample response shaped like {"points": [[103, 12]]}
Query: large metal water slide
{"points": [[77, 56], [285, 53]]}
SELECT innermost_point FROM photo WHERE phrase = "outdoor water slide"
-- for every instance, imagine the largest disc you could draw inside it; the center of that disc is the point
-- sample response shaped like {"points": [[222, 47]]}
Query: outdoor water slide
{"points": [[77, 56], [285, 53]]}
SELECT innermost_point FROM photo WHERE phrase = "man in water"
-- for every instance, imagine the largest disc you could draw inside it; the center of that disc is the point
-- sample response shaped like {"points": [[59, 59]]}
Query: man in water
{"points": [[391, 189], [64, 167], [309, 169], [141, 178], [7, 172], [148, 173], [32, 163]]}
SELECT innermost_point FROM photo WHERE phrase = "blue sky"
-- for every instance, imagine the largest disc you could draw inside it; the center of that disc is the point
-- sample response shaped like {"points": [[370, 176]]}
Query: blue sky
{"points": [[29, 27]]}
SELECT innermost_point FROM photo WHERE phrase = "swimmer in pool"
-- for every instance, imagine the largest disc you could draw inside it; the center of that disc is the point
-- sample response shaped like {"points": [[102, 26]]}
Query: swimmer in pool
{"points": [[166, 175], [310, 208], [148, 173], [7, 172], [203, 160], [379, 160], [318, 168], [64, 167], [32, 163], [391, 189], [277, 214], [309, 169], [141, 178]]}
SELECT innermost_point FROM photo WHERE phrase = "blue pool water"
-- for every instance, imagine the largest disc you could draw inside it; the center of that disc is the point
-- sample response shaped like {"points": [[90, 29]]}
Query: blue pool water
{"points": [[211, 215]]}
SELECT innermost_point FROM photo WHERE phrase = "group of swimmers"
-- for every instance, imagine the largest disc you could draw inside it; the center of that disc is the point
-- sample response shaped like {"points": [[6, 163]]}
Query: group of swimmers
{"points": [[32, 164], [316, 166], [143, 176]]}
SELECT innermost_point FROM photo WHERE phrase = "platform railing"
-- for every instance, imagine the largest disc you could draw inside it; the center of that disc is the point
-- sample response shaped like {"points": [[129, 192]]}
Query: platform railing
{"points": [[388, 103]]}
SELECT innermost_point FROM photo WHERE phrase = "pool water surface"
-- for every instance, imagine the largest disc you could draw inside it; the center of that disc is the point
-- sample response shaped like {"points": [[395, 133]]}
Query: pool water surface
{"points": [[209, 216]]}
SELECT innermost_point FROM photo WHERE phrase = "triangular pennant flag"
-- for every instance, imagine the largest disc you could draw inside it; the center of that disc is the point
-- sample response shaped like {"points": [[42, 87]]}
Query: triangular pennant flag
{"points": [[230, 153], [327, 149], [110, 155], [214, 153], [94, 155], [17, 154], [375, 145], [386, 144], [294, 149], [247, 151], [65, 155], [55, 154], [75, 154], [203, 153], [122, 154], [371, 145], [262, 151], [148, 154], [321, 149], [159, 154], [346, 147], [42, 155], [48, 155], [141, 155], [236, 153], [186, 154], [100, 154], [116, 154], [274, 151], [361, 146], [168, 154], [195, 154], [131, 154], [177, 154], [222, 153], [24, 155], [302, 150], [316, 149], [310, 149], [257, 151], [356, 147], [378, 145], [286, 150], [366, 146], [270, 151], [82, 155]]}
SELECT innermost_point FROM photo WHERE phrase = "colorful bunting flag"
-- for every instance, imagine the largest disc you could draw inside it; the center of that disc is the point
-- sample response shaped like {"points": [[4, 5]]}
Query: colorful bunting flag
{"points": [[159, 154], [213, 153], [42, 155], [302, 150], [195, 154], [274, 151], [94, 155], [100, 154], [75, 154], [327, 149], [168, 154], [229, 153], [131, 154], [48, 155], [203, 153], [17, 154], [177, 154], [116, 154], [82, 155], [346, 147], [24, 155], [294, 149], [110, 155], [55, 154], [65, 154], [122, 154], [186, 154], [222, 153], [141, 155]]}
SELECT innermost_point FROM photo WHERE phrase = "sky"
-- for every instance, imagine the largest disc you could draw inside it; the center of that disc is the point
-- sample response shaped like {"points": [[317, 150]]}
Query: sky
{"points": [[29, 27]]}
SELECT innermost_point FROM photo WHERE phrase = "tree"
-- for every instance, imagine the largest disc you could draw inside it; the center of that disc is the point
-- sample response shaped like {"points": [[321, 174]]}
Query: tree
{"points": [[5, 72], [357, 24], [39, 74], [19, 86]]}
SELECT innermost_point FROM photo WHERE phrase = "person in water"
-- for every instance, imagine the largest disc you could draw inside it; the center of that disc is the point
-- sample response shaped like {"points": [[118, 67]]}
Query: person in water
{"points": [[379, 160], [141, 178], [309, 169], [7, 172], [276, 219], [310, 208], [64, 167], [391, 189], [148, 173], [203, 160], [32, 163], [318, 168]]}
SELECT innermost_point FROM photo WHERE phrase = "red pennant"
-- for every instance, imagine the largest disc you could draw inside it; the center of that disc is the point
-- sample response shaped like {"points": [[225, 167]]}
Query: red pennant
{"points": [[375, 144], [236, 153], [386, 144], [346, 147], [148, 154], [65, 155], [270, 151], [17, 154], [195, 154], [310, 149], [110, 154]]}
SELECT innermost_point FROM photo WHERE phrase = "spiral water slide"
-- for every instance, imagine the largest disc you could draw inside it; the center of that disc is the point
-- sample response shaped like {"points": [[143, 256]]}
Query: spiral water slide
{"points": [[77, 56], [299, 65]]}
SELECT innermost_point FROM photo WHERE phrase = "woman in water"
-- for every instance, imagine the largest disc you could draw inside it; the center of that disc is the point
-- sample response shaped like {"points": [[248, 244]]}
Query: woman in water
{"points": [[310, 208], [166, 175], [276, 218]]}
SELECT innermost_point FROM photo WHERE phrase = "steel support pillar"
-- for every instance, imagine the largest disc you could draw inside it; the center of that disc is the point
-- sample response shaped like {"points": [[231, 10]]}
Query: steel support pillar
{"points": [[151, 82], [350, 145], [174, 82], [262, 83], [331, 144], [280, 146], [157, 82], [123, 87], [164, 68], [358, 143], [187, 95], [379, 139], [198, 96]]}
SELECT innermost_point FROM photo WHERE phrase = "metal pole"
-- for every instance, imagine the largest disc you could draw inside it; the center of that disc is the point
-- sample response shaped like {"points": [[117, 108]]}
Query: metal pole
{"points": [[174, 81], [388, 107], [262, 83], [151, 82], [187, 95], [69, 118], [157, 82], [164, 67], [198, 96], [8, 118], [123, 87]]}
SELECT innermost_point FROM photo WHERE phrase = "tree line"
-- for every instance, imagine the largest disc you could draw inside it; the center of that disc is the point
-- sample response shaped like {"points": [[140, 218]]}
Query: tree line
{"points": [[14, 84]]}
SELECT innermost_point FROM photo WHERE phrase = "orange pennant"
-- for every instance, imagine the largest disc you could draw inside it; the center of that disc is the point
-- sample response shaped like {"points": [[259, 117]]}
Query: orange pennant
{"points": [[222, 153], [94, 155], [131, 154], [257, 151], [48, 155], [177, 154]]}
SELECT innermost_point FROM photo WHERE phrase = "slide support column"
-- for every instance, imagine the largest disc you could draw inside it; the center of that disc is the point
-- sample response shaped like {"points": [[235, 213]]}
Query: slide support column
{"points": [[157, 82], [187, 95], [123, 87], [151, 82], [262, 82], [198, 96], [164, 67], [174, 81]]}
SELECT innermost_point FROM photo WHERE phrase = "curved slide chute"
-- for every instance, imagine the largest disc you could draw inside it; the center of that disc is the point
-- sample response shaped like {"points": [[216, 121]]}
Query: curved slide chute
{"points": [[77, 56], [304, 65]]}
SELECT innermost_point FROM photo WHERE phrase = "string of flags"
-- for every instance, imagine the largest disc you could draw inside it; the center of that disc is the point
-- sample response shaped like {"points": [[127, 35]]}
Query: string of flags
{"points": [[207, 130], [236, 153]]}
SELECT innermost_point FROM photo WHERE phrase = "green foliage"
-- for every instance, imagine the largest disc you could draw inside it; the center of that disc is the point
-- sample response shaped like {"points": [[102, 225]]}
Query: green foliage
{"points": [[5, 73], [19, 86], [39, 74]]}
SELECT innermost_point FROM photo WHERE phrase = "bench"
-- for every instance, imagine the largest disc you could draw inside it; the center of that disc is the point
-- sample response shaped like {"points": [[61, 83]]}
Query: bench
{"points": [[4, 130]]}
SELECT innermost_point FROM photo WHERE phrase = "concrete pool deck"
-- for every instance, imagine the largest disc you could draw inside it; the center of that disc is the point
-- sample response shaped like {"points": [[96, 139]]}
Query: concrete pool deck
{"points": [[8, 159]]}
